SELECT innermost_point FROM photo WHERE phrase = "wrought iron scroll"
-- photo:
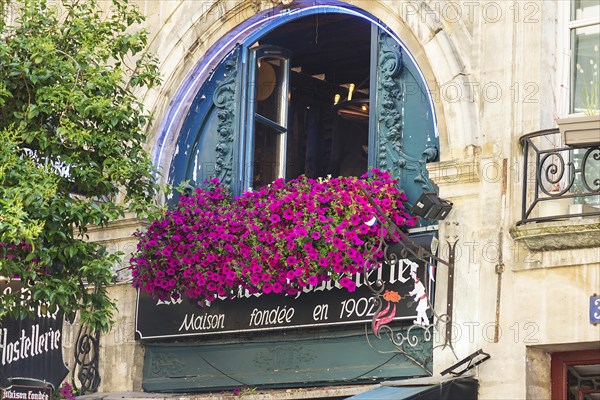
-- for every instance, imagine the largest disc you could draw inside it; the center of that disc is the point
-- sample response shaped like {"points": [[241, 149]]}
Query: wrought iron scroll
{"points": [[407, 341], [553, 172], [85, 370], [224, 100]]}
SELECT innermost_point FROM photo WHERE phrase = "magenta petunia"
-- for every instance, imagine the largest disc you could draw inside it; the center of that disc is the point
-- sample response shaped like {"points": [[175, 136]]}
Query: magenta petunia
{"points": [[288, 214], [277, 288], [312, 280], [277, 239], [291, 260], [355, 219]]}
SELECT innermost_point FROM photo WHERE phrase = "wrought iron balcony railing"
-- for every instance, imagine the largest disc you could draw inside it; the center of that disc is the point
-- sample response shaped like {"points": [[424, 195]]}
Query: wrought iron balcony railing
{"points": [[559, 182]]}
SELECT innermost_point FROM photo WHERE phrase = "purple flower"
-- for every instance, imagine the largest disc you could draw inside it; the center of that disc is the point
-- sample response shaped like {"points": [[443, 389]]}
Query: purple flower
{"points": [[339, 244], [67, 392], [291, 260], [277, 288], [288, 214], [323, 262], [301, 232], [355, 219], [267, 288], [278, 238], [348, 284], [312, 280]]}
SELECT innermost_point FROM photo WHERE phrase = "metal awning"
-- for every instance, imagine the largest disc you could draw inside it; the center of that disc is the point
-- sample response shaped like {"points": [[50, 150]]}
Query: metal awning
{"points": [[433, 388]]}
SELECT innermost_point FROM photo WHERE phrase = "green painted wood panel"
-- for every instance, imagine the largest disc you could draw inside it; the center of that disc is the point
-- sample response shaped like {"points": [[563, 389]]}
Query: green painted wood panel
{"points": [[277, 359], [406, 138]]}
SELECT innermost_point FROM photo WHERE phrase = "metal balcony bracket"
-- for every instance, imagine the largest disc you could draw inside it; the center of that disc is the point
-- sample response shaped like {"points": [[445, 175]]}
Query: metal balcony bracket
{"points": [[471, 361]]}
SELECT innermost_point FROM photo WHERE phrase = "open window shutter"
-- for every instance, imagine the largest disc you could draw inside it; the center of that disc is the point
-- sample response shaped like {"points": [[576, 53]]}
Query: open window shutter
{"points": [[205, 147], [402, 125]]}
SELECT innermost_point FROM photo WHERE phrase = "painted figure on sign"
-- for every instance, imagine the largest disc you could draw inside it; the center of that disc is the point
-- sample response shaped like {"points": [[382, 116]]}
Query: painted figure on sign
{"points": [[420, 297]]}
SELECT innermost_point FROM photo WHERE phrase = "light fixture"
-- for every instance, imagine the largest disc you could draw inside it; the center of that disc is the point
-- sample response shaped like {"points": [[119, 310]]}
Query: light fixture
{"points": [[356, 109], [350, 91], [431, 206], [355, 106]]}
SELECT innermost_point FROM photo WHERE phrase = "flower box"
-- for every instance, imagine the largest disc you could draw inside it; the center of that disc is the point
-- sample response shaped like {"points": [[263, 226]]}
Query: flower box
{"points": [[580, 131], [277, 239], [557, 207]]}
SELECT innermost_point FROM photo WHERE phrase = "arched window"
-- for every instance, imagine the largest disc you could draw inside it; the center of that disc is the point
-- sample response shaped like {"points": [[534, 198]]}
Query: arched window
{"points": [[328, 93]]}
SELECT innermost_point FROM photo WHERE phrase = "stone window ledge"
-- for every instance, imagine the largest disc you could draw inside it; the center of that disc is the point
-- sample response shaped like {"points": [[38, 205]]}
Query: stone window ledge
{"points": [[558, 235]]}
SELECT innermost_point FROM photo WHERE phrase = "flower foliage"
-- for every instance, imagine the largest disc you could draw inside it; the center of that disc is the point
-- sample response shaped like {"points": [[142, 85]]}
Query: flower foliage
{"points": [[278, 239], [67, 392]]}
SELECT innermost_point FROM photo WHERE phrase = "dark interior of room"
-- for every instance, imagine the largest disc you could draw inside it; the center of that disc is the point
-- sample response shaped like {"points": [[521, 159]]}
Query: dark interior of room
{"points": [[329, 52]]}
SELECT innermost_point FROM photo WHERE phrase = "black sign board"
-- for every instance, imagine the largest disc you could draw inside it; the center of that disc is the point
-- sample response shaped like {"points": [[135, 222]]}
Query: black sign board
{"points": [[18, 392], [325, 304], [32, 348]]}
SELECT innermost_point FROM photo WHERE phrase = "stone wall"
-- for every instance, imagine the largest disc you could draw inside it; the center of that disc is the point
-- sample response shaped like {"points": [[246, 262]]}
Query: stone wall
{"points": [[120, 356], [538, 374]]}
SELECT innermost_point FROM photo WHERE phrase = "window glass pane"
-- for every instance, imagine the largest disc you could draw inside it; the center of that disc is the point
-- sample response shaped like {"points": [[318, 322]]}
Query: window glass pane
{"points": [[582, 381], [270, 87], [267, 155], [590, 171], [586, 57], [584, 9]]}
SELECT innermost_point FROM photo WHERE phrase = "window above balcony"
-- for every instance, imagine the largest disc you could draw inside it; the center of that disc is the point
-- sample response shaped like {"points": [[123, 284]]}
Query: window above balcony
{"points": [[584, 32]]}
